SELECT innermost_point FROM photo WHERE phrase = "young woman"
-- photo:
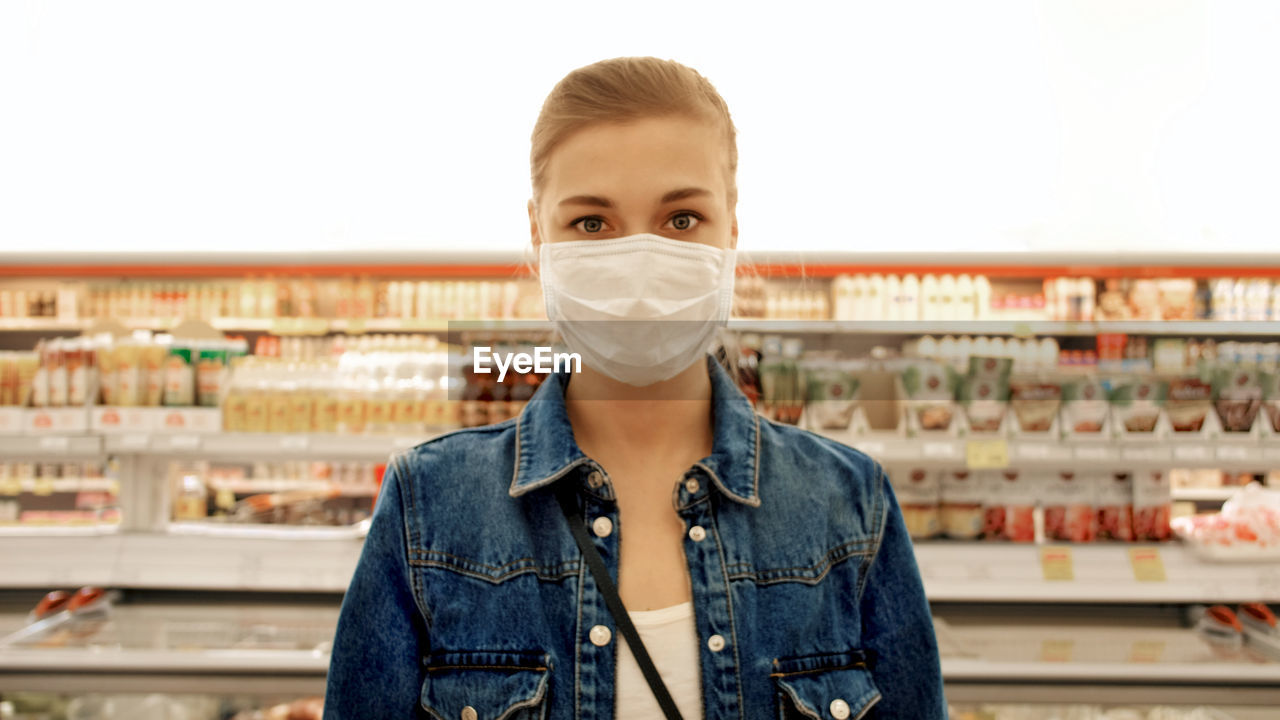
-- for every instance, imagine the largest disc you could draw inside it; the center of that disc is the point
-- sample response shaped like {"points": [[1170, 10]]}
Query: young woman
{"points": [[767, 569]]}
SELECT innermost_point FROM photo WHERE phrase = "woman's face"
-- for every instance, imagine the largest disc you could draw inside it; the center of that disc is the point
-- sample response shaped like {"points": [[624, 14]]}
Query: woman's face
{"points": [[664, 175]]}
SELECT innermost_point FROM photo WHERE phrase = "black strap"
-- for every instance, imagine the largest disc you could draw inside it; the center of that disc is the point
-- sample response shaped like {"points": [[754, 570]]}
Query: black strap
{"points": [[611, 598]]}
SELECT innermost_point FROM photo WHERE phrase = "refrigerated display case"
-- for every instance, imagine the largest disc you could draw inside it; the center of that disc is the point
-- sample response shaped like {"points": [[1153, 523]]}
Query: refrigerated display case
{"points": [[1044, 598]]}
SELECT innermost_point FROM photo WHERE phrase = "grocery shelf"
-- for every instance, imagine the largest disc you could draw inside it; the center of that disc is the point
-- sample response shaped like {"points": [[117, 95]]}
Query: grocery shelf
{"points": [[976, 572], [67, 660], [1205, 495], [262, 445], [50, 446], [294, 560], [1225, 673]]}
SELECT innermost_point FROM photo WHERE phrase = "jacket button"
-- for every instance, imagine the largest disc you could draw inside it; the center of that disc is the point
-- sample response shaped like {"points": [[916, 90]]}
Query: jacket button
{"points": [[595, 479], [697, 533], [839, 709], [691, 485], [602, 526], [468, 713], [716, 642], [600, 635]]}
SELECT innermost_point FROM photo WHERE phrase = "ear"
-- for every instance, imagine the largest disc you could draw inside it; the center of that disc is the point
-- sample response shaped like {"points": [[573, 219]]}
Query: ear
{"points": [[534, 236]]}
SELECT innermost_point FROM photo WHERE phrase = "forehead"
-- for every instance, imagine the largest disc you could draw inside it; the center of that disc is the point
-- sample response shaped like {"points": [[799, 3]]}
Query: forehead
{"points": [[649, 155]]}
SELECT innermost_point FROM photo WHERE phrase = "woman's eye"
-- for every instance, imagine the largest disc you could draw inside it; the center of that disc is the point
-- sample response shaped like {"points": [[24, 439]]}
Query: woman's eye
{"points": [[589, 224], [685, 221]]}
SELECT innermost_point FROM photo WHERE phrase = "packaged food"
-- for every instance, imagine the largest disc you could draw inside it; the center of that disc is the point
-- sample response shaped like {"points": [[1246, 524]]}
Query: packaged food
{"points": [[918, 494], [1237, 395], [1115, 507], [1068, 509], [990, 366], [1188, 404], [1137, 403], [210, 374], [1084, 405], [1035, 404], [1271, 398], [1152, 505], [985, 400], [831, 397], [1009, 512], [179, 377], [930, 390], [962, 500]]}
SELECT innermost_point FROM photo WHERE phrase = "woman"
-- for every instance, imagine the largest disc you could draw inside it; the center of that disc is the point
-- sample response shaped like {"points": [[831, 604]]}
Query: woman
{"points": [[767, 569]]}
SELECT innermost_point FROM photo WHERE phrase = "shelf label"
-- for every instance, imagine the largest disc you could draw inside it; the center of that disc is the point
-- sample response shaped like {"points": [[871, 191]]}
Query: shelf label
{"points": [[1038, 451], [43, 486], [1147, 565], [1194, 453], [1056, 650], [1056, 564], [939, 450], [874, 449], [184, 442], [294, 442], [986, 454], [134, 441], [1233, 452], [1144, 454], [1146, 651], [56, 443], [1022, 330], [10, 485], [1094, 452], [356, 326]]}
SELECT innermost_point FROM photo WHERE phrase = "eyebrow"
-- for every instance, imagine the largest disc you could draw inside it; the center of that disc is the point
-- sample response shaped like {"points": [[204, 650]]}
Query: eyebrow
{"points": [[672, 196]]}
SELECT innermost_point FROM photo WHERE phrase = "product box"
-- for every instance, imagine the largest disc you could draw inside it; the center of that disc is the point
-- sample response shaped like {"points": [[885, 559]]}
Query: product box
{"points": [[831, 396], [919, 494], [1270, 404], [1137, 408], [1035, 405], [1237, 398], [1188, 405], [928, 392], [1068, 498], [963, 496], [1086, 409], [1152, 505], [1009, 510]]}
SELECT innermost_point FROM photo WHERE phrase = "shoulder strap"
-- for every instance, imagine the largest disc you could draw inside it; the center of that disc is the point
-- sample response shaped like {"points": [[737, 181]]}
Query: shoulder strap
{"points": [[620, 616]]}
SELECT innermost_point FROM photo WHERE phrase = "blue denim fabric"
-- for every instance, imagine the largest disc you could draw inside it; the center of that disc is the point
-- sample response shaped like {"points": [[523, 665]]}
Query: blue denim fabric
{"points": [[471, 591]]}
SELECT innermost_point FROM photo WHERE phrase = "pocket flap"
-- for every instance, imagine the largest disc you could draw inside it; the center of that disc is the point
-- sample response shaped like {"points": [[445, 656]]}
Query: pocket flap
{"points": [[491, 682], [828, 685]]}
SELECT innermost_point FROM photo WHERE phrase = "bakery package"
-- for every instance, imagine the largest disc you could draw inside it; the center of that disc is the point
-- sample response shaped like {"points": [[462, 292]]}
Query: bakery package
{"points": [[1035, 405], [1237, 396], [984, 394], [919, 494], [1152, 505], [1114, 497], [831, 394], [929, 392], [963, 496], [1085, 407], [1188, 403], [1271, 400], [1009, 510], [1137, 404], [1068, 506]]}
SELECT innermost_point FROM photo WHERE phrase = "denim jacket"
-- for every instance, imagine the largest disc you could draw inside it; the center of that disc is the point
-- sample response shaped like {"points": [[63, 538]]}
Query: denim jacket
{"points": [[471, 600]]}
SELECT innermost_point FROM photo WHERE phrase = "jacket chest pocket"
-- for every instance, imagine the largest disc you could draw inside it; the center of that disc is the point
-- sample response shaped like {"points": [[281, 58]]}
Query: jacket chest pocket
{"points": [[827, 686], [486, 685]]}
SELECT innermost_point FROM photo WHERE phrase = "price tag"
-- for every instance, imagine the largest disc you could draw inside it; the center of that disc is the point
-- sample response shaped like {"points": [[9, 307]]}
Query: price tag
{"points": [[1144, 454], [1023, 330], [1034, 451], [1056, 563], [1147, 565], [986, 454], [43, 486], [939, 450], [56, 443], [1146, 651], [1055, 650], [1193, 453], [184, 442], [1233, 452], [874, 449], [1095, 452], [312, 326], [10, 485], [356, 326], [295, 442], [134, 441]]}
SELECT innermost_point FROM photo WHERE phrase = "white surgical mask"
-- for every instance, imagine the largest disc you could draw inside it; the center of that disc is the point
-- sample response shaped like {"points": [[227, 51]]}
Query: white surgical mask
{"points": [[640, 308]]}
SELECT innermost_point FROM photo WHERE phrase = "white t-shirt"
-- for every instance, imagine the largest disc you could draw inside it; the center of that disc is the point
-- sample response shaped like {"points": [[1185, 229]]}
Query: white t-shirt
{"points": [[672, 641]]}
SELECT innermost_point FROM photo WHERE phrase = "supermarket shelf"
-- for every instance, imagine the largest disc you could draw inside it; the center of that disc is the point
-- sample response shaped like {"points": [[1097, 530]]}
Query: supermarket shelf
{"points": [[196, 562], [260, 445], [49, 446], [1103, 573], [1205, 495], [952, 571], [66, 660], [1223, 673]]}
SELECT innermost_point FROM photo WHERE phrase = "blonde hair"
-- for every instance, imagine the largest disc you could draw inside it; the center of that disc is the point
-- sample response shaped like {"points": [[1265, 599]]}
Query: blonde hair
{"points": [[624, 89]]}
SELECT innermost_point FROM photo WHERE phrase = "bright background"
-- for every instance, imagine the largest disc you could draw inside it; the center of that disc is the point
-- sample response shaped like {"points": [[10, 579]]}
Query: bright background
{"points": [[921, 126]]}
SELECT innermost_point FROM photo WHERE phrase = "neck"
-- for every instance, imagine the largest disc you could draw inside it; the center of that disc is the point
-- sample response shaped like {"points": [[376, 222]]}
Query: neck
{"points": [[672, 417]]}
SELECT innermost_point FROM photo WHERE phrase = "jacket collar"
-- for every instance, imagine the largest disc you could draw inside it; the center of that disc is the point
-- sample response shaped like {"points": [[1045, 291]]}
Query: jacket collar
{"points": [[546, 451]]}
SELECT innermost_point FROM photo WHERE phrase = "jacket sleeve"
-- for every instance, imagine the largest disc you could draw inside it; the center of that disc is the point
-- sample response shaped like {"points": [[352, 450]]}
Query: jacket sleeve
{"points": [[375, 670], [898, 625]]}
